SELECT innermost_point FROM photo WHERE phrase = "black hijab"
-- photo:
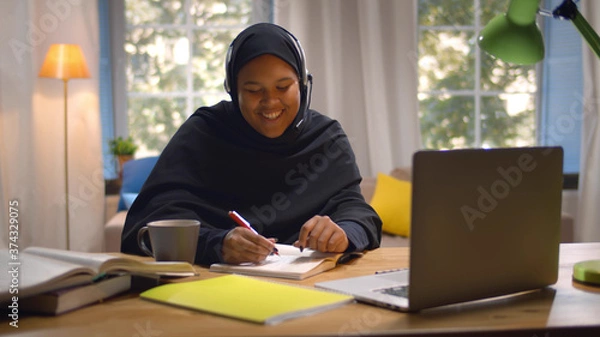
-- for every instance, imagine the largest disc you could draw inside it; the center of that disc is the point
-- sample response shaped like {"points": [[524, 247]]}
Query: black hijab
{"points": [[216, 162], [257, 40]]}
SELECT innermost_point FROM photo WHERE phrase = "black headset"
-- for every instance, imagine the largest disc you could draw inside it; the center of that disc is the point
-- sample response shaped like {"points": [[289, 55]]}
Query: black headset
{"points": [[305, 77]]}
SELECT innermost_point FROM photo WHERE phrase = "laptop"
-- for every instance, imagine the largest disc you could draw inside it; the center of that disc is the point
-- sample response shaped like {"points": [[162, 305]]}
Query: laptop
{"points": [[484, 223]]}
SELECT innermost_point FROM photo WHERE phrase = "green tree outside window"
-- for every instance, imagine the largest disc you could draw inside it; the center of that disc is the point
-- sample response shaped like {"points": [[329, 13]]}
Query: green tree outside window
{"points": [[467, 98]]}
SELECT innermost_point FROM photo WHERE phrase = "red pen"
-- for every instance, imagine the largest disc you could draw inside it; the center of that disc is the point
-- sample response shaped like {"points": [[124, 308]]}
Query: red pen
{"points": [[244, 223]]}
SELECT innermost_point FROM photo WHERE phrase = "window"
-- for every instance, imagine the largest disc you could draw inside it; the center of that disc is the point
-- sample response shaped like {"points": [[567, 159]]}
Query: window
{"points": [[469, 99], [175, 52], [466, 97]]}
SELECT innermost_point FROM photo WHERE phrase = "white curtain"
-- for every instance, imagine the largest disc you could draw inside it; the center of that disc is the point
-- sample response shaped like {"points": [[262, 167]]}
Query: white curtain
{"points": [[363, 56], [32, 127], [588, 217]]}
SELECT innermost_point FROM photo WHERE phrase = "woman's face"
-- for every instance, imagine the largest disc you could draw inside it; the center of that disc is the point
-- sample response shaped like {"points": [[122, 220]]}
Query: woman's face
{"points": [[268, 94]]}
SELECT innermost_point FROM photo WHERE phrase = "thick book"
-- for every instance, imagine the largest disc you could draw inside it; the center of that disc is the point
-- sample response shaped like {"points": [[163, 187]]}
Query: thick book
{"points": [[291, 263], [64, 300], [247, 298], [37, 270]]}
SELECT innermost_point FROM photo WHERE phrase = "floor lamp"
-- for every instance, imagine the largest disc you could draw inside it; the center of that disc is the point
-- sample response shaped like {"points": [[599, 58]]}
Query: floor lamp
{"points": [[65, 62], [515, 37]]}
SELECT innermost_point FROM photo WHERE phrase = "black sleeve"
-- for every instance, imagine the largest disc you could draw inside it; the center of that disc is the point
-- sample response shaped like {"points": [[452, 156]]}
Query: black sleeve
{"points": [[357, 237], [358, 219]]}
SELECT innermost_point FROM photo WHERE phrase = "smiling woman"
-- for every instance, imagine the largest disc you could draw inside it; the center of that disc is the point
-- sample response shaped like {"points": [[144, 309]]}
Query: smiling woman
{"points": [[269, 94], [287, 169]]}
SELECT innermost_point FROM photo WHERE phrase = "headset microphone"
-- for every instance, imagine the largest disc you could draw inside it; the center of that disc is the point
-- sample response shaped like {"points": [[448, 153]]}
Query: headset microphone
{"points": [[309, 91], [309, 95]]}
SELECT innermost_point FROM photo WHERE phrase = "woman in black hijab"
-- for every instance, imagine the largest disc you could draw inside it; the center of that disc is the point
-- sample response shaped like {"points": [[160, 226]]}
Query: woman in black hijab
{"points": [[288, 170]]}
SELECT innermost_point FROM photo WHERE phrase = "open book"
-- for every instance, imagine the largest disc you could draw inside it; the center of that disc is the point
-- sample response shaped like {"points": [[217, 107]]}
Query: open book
{"points": [[247, 298], [290, 264], [37, 270]]}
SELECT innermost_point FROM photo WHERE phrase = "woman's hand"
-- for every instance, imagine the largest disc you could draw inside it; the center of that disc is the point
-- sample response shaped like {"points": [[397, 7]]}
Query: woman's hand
{"points": [[322, 234], [240, 245]]}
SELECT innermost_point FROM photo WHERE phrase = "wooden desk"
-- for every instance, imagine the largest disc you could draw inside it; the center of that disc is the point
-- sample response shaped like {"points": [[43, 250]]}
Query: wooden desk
{"points": [[555, 309]]}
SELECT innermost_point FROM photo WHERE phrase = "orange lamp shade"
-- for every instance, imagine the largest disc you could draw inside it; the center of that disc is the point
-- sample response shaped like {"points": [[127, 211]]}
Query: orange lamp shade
{"points": [[64, 61]]}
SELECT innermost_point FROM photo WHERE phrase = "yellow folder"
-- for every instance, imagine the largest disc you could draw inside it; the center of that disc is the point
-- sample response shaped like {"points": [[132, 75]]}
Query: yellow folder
{"points": [[247, 298]]}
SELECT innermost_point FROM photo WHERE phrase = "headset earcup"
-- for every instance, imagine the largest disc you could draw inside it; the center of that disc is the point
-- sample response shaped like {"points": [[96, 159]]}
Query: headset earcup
{"points": [[227, 82]]}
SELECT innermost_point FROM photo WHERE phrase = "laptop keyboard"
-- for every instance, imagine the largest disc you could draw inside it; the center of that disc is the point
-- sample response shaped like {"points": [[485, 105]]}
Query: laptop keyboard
{"points": [[400, 291]]}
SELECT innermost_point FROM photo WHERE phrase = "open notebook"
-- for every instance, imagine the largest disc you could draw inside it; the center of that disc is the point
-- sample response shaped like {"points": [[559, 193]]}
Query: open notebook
{"points": [[290, 264]]}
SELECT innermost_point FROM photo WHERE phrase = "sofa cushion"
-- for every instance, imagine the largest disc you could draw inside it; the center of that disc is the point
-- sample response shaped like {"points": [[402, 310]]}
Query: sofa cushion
{"points": [[391, 200], [402, 173], [367, 185]]}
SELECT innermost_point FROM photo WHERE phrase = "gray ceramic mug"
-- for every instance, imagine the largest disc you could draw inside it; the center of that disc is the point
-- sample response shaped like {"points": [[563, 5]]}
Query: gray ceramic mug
{"points": [[171, 240]]}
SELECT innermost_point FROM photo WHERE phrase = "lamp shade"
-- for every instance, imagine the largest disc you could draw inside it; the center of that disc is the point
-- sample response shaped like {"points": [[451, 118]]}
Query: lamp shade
{"points": [[64, 61], [514, 37]]}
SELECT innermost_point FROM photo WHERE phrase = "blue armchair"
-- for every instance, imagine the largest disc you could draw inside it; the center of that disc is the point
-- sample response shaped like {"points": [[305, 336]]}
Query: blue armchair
{"points": [[135, 173]]}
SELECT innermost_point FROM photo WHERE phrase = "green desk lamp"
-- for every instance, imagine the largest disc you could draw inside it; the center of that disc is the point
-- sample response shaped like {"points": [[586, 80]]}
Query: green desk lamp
{"points": [[514, 37]]}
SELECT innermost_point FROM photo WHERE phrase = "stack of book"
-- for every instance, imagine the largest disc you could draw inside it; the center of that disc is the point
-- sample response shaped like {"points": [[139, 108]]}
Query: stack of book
{"points": [[54, 281]]}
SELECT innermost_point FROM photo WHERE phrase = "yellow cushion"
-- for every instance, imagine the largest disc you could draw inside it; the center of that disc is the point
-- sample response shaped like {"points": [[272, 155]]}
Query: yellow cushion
{"points": [[391, 200]]}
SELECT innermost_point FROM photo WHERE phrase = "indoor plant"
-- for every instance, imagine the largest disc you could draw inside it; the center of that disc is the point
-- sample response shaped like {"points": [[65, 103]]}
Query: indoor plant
{"points": [[123, 149]]}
